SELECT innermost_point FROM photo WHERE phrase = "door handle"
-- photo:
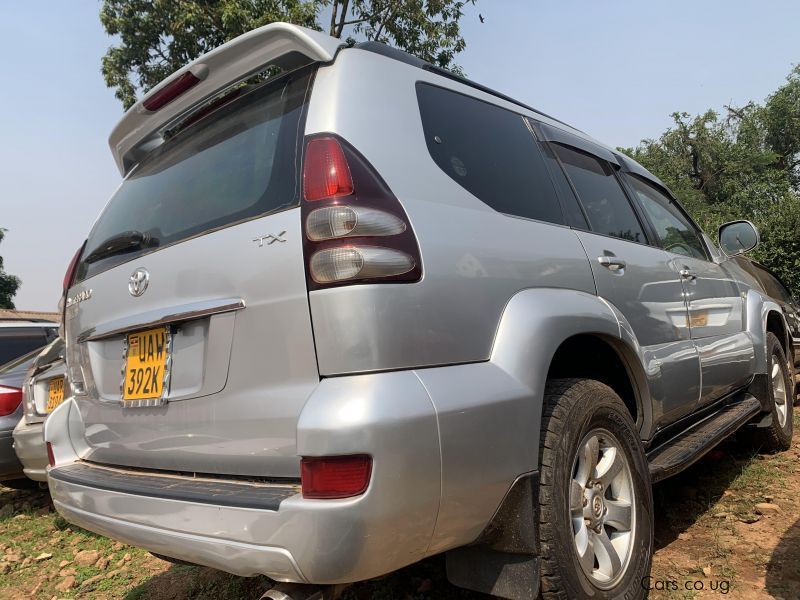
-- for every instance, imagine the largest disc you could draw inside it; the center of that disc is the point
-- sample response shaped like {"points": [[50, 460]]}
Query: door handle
{"points": [[688, 274], [612, 263]]}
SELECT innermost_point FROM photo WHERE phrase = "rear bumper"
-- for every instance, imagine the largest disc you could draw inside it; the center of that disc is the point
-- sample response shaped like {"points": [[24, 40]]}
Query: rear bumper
{"points": [[388, 416], [31, 450], [242, 541], [427, 493], [10, 467]]}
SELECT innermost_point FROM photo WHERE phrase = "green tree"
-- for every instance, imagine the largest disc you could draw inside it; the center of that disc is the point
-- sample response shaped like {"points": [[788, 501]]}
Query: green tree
{"points": [[743, 162], [157, 37], [8, 283]]}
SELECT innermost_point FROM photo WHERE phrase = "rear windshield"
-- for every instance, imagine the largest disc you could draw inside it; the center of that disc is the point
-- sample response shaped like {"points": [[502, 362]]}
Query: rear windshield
{"points": [[238, 163]]}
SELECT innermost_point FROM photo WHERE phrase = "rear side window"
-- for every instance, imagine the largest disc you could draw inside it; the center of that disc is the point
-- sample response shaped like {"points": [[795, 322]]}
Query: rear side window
{"points": [[14, 342], [606, 206], [238, 163], [676, 233], [488, 151]]}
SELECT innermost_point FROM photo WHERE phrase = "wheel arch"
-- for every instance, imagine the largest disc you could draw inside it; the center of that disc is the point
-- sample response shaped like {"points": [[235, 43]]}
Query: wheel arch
{"points": [[542, 328], [604, 359], [765, 315], [776, 325]]}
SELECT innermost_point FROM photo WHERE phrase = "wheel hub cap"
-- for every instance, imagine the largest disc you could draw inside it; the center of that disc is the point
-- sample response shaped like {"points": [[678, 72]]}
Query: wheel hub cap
{"points": [[597, 506], [602, 508]]}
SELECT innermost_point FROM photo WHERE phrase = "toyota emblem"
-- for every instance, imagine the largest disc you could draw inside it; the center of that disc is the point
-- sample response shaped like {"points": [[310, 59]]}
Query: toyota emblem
{"points": [[138, 282]]}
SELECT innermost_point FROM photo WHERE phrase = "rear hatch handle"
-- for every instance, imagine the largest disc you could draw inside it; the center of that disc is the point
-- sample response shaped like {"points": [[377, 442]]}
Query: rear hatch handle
{"points": [[163, 316]]}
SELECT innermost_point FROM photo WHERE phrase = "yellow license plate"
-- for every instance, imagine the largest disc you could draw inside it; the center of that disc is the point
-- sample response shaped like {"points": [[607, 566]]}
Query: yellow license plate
{"points": [[146, 365], [55, 393]]}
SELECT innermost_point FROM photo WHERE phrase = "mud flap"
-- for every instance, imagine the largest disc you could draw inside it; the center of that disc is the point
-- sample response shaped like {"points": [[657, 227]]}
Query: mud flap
{"points": [[504, 560]]}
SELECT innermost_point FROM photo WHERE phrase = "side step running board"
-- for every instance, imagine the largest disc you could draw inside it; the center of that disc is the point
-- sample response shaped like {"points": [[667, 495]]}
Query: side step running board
{"points": [[682, 451]]}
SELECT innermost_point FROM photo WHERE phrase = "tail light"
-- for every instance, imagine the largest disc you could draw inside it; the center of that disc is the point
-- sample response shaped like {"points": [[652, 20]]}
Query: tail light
{"points": [[69, 278], [72, 268], [51, 459], [10, 399], [331, 477], [326, 173], [356, 231]]}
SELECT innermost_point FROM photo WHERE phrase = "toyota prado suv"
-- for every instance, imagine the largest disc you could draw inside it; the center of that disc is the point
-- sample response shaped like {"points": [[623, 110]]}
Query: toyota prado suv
{"points": [[363, 311]]}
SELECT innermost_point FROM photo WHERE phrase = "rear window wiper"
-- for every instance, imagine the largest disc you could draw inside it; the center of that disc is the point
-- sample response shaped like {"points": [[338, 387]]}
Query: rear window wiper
{"points": [[120, 244]]}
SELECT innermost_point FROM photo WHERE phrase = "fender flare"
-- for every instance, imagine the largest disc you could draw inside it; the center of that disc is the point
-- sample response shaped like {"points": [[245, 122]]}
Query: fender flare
{"points": [[536, 321], [758, 308]]}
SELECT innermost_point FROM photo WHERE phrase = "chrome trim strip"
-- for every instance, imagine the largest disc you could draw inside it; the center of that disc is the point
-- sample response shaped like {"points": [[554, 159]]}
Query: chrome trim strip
{"points": [[155, 318]]}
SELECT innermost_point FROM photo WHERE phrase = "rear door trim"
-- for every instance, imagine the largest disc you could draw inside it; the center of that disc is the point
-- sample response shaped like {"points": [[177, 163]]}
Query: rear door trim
{"points": [[154, 318]]}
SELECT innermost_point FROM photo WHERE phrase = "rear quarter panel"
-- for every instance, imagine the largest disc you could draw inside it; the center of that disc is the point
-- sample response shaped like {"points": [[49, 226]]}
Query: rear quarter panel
{"points": [[474, 258]]}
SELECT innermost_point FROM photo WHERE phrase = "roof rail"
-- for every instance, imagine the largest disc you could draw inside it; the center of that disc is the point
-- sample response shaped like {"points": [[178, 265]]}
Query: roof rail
{"points": [[410, 59], [281, 44]]}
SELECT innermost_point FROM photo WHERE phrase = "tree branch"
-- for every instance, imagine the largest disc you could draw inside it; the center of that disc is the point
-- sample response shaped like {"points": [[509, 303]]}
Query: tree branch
{"points": [[389, 18], [345, 7]]}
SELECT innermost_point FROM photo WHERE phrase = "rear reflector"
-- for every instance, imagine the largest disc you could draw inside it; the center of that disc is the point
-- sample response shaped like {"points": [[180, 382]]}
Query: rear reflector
{"points": [[10, 399], [170, 91], [51, 459], [331, 477], [325, 170]]}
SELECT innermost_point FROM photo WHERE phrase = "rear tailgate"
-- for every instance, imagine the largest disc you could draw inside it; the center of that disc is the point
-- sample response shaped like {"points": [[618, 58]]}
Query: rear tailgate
{"points": [[215, 271]]}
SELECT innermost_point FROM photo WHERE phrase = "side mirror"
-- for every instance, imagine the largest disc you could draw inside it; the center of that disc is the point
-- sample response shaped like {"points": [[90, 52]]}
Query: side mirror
{"points": [[738, 237]]}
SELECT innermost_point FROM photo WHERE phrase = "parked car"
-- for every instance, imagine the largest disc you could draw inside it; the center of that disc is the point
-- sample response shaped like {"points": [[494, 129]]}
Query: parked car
{"points": [[19, 336], [367, 311], [44, 389], [12, 378]]}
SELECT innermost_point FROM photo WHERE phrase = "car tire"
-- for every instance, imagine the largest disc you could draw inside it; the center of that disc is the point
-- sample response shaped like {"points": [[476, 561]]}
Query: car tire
{"points": [[778, 436], [588, 435]]}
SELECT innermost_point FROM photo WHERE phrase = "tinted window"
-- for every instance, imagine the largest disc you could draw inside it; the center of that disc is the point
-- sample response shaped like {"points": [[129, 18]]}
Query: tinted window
{"points": [[607, 208], [237, 163], [15, 342], [673, 229], [488, 151]]}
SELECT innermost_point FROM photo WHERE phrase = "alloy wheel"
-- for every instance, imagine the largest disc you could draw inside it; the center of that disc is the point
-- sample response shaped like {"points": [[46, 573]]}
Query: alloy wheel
{"points": [[602, 508], [779, 390]]}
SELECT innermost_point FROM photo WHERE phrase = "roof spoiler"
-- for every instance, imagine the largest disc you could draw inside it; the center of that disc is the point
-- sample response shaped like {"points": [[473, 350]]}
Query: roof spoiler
{"points": [[279, 44]]}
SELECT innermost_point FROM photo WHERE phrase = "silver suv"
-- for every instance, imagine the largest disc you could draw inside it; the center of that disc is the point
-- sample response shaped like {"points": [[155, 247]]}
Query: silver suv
{"points": [[340, 319]]}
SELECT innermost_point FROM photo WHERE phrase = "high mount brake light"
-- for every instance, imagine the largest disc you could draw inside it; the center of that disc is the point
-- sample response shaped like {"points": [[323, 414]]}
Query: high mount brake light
{"points": [[356, 230], [330, 477], [10, 399], [170, 91]]}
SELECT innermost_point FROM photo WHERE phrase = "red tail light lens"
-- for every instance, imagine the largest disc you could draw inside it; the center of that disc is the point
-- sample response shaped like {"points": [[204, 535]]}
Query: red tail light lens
{"points": [[331, 477], [69, 276], [326, 173], [50, 457], [10, 399], [169, 92]]}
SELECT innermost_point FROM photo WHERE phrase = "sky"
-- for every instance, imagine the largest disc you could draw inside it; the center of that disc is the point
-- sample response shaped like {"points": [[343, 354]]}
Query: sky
{"points": [[616, 70]]}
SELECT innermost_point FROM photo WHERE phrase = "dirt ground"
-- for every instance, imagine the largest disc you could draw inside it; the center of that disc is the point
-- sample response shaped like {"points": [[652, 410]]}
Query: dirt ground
{"points": [[728, 527]]}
